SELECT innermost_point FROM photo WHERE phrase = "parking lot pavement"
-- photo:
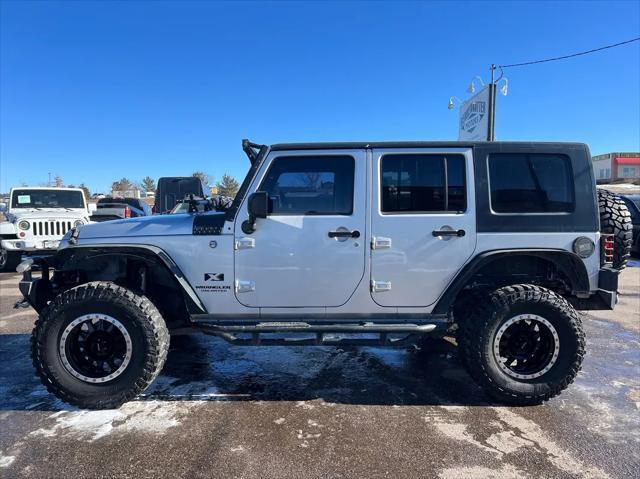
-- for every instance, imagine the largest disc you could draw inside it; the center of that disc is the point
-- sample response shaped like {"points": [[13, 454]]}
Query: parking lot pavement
{"points": [[223, 411]]}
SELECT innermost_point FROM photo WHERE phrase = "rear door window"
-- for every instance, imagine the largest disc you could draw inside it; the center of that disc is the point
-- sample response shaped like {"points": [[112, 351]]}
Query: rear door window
{"points": [[423, 183], [531, 183]]}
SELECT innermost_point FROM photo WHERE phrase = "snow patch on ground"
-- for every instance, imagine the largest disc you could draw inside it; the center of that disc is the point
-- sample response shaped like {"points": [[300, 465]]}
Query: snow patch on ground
{"points": [[506, 471], [6, 461], [458, 431], [513, 433], [151, 417], [507, 442], [559, 456]]}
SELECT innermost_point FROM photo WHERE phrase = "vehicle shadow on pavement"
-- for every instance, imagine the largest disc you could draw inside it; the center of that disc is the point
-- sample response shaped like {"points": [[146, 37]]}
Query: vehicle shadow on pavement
{"points": [[203, 368]]}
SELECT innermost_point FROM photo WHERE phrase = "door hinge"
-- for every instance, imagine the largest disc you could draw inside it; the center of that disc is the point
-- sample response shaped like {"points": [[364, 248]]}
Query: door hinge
{"points": [[380, 286], [245, 286], [245, 243], [380, 242]]}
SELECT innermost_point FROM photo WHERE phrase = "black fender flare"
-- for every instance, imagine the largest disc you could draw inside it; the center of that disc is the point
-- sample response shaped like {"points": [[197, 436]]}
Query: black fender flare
{"points": [[569, 263], [72, 257]]}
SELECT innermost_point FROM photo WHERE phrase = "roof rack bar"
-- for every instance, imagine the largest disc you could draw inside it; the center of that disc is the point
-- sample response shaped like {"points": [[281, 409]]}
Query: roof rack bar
{"points": [[252, 150]]}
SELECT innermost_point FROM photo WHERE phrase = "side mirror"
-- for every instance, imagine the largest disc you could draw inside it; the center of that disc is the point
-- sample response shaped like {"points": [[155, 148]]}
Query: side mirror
{"points": [[258, 207], [3, 207], [259, 204]]}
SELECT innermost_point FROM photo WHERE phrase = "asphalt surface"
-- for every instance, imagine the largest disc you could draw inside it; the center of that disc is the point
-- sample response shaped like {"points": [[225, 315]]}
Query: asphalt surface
{"points": [[226, 411]]}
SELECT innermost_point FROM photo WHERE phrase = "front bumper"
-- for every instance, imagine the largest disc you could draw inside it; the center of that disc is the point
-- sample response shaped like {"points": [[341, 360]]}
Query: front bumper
{"points": [[37, 291], [30, 244]]}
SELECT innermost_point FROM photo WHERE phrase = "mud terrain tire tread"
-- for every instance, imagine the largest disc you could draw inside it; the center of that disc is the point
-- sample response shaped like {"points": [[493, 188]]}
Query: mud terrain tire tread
{"points": [[473, 339], [144, 313], [615, 219]]}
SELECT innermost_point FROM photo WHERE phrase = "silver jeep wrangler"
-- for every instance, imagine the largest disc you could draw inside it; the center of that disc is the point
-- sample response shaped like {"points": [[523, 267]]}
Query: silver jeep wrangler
{"points": [[495, 244]]}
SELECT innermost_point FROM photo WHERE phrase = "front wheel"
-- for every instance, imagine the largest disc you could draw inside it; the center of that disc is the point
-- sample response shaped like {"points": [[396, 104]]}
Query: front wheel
{"points": [[524, 344], [9, 260], [99, 345]]}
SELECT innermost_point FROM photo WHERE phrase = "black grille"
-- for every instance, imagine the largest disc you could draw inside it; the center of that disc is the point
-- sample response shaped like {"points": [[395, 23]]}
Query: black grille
{"points": [[50, 228]]}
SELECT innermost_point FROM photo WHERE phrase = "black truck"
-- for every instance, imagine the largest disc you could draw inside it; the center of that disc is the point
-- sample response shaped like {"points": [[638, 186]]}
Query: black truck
{"points": [[172, 189]]}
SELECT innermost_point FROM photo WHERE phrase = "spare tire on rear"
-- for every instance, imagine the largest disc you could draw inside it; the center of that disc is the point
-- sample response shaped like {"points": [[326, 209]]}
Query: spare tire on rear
{"points": [[615, 219]]}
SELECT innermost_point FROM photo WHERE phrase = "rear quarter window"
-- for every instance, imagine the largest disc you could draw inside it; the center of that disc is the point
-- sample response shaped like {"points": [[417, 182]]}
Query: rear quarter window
{"points": [[530, 183]]}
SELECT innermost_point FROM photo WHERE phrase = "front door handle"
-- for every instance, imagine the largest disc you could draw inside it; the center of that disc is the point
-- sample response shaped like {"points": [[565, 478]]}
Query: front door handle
{"points": [[344, 234], [457, 233]]}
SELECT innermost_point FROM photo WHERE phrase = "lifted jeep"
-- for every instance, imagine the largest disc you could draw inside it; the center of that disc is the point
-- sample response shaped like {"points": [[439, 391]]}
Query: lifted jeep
{"points": [[496, 244]]}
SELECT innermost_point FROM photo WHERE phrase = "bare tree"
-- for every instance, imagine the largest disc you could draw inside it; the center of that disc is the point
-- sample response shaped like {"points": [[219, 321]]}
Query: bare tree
{"points": [[310, 180], [123, 184], [205, 178], [57, 182]]}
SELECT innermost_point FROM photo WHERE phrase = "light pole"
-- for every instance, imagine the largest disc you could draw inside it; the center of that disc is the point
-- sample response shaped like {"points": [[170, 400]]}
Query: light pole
{"points": [[491, 131]]}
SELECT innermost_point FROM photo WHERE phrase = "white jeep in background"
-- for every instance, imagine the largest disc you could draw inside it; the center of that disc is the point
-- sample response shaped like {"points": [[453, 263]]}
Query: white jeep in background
{"points": [[36, 219]]}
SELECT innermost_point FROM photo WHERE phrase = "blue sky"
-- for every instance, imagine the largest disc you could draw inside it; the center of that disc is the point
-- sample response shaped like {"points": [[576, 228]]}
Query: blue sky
{"points": [[97, 91]]}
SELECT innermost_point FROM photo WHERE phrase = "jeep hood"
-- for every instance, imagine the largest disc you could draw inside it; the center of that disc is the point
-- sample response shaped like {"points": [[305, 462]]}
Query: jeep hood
{"points": [[157, 225], [46, 214]]}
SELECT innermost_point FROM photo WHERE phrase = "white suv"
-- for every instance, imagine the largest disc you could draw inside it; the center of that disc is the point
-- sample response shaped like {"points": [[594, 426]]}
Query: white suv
{"points": [[495, 244], [36, 221]]}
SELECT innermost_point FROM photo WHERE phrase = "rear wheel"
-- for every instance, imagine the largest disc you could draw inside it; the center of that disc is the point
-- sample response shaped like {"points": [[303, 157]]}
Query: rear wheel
{"points": [[524, 344], [9, 260], [99, 345], [615, 219]]}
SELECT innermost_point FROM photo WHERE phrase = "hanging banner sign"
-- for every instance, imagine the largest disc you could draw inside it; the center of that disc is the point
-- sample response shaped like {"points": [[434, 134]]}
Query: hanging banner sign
{"points": [[474, 117]]}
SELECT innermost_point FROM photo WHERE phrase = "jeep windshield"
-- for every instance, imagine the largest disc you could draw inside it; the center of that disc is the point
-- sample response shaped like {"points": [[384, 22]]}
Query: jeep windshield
{"points": [[46, 199]]}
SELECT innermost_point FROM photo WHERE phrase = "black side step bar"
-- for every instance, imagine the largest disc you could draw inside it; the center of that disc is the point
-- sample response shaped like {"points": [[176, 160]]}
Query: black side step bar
{"points": [[246, 333]]}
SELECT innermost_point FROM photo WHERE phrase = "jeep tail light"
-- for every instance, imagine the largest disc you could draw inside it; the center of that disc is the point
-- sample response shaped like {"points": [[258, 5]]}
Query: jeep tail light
{"points": [[607, 244], [127, 212]]}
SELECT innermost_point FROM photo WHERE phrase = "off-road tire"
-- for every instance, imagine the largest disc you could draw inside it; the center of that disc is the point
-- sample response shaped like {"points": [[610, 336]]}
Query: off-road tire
{"points": [[149, 338], [615, 219], [9, 260], [478, 331], [466, 302]]}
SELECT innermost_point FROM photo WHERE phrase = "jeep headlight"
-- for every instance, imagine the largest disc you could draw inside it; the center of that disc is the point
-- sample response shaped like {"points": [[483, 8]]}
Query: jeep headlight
{"points": [[78, 223], [24, 225], [583, 247]]}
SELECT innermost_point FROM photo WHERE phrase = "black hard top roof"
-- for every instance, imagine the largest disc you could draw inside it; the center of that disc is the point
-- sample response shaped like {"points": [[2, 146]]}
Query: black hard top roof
{"points": [[416, 144]]}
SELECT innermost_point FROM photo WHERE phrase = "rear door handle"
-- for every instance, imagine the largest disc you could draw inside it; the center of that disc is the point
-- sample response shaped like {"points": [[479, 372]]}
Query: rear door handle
{"points": [[344, 234], [457, 233]]}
